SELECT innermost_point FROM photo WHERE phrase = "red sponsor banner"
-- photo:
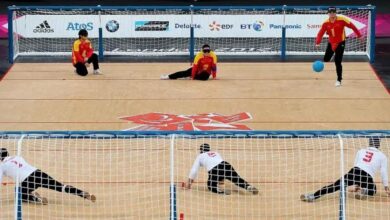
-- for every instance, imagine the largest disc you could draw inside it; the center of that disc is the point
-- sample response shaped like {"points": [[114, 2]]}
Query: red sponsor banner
{"points": [[382, 24], [200, 122], [3, 26]]}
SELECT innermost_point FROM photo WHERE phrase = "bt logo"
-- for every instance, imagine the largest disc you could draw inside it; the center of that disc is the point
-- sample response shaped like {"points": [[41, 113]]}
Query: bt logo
{"points": [[257, 26]]}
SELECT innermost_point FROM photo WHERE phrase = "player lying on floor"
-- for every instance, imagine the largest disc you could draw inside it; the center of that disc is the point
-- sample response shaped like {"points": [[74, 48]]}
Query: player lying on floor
{"points": [[31, 178], [367, 162], [204, 65]]}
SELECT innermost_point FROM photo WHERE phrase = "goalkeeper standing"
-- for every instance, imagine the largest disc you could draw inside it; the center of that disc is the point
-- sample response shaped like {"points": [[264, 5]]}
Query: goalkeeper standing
{"points": [[205, 64], [334, 27], [31, 178]]}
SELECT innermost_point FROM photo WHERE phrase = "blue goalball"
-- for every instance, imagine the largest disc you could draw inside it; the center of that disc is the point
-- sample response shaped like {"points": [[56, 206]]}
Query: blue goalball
{"points": [[318, 66]]}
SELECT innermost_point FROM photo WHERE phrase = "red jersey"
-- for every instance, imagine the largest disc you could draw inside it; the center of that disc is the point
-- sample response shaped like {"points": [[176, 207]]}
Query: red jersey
{"points": [[335, 31], [81, 50], [204, 63]]}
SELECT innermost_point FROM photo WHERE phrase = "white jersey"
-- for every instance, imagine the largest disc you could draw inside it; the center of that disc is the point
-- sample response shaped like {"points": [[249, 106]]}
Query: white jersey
{"points": [[15, 167], [370, 160], [208, 160]]}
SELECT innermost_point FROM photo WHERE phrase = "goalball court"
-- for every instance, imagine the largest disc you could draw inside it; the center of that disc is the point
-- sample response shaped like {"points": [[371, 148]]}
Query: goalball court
{"points": [[131, 175]]}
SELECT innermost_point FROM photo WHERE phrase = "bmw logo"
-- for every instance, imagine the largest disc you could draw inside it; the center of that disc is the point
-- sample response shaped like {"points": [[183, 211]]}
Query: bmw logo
{"points": [[112, 26], [258, 25]]}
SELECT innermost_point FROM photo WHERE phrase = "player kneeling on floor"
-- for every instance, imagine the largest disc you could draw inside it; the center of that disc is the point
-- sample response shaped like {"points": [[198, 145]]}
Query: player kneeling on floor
{"points": [[31, 178], [218, 170], [83, 55]]}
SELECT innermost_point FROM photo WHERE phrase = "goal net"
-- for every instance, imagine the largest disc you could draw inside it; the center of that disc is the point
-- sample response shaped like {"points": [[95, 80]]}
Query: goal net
{"points": [[140, 175], [181, 31]]}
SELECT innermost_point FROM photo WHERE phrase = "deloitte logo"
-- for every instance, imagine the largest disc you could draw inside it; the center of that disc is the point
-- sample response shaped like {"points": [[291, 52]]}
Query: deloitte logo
{"points": [[44, 27], [112, 26], [258, 26]]}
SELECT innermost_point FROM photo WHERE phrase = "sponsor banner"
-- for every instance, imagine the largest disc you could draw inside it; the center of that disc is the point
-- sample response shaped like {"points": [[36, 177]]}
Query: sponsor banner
{"points": [[56, 26], [172, 26], [3, 26], [151, 26], [383, 25]]}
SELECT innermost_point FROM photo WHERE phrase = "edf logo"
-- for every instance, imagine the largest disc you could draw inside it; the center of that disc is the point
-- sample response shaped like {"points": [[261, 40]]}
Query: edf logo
{"points": [[78, 26], [215, 26], [257, 26]]}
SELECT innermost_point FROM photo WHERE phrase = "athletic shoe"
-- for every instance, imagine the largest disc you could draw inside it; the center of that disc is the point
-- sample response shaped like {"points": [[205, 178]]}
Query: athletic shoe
{"points": [[224, 192], [307, 197], [362, 194], [39, 199], [164, 77], [97, 72], [338, 83], [90, 197], [253, 190]]}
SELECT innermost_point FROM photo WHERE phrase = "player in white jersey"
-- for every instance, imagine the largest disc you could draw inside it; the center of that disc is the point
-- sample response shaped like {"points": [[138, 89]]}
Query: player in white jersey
{"points": [[218, 170], [367, 162], [31, 178]]}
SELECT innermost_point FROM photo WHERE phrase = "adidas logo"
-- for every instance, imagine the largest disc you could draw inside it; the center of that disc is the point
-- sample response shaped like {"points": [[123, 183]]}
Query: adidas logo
{"points": [[44, 27]]}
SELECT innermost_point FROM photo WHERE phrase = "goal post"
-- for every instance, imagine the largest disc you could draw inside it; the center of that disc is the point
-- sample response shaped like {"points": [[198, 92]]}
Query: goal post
{"points": [[141, 174], [160, 31]]}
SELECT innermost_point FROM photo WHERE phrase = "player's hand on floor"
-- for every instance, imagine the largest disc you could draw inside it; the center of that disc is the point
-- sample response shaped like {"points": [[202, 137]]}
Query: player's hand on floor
{"points": [[185, 185], [387, 190]]}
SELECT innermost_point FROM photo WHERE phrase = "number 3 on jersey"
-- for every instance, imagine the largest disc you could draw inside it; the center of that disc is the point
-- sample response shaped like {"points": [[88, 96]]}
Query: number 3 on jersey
{"points": [[368, 157]]}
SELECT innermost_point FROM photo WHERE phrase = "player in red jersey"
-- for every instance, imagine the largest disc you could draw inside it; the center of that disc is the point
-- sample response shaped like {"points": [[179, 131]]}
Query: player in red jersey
{"points": [[205, 64], [334, 27], [83, 55]]}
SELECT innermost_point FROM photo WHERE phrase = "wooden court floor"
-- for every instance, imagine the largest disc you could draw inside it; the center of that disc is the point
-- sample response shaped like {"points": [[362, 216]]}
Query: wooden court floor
{"points": [[279, 96]]}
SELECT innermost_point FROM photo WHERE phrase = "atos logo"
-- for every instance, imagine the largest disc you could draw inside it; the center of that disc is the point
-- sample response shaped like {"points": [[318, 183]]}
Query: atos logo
{"points": [[74, 26], [256, 26]]}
